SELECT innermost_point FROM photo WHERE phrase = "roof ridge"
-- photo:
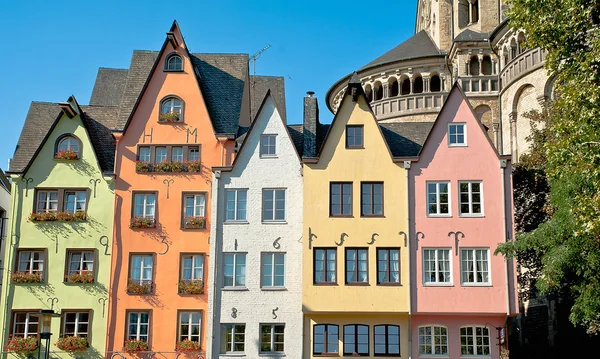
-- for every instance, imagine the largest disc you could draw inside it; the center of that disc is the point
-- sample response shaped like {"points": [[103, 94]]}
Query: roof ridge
{"points": [[112, 68]]}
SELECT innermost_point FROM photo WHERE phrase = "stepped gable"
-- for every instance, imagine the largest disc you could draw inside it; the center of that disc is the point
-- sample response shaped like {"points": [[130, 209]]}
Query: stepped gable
{"points": [[417, 46], [262, 85], [109, 87]]}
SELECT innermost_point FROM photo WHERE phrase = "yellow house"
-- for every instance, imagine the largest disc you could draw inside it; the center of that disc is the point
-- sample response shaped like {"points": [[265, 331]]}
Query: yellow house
{"points": [[356, 285]]}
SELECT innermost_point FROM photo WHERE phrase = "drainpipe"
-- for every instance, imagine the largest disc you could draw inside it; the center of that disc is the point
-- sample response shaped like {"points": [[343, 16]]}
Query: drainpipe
{"points": [[216, 253], [406, 170], [503, 164]]}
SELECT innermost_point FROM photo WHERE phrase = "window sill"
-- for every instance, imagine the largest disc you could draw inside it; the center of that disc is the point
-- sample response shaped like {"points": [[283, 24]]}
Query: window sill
{"points": [[268, 156], [79, 283], [326, 355], [232, 355], [235, 289], [274, 222], [472, 216], [355, 147], [236, 222], [433, 356], [341, 216], [476, 285], [190, 295], [373, 216], [65, 161], [192, 229], [390, 284], [358, 284], [438, 284], [29, 283], [475, 356], [270, 355], [439, 216], [181, 71], [171, 122], [325, 284], [457, 145], [273, 289]]}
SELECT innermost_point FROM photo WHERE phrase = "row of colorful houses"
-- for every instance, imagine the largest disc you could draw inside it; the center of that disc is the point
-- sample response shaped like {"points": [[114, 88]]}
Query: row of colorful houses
{"points": [[174, 215]]}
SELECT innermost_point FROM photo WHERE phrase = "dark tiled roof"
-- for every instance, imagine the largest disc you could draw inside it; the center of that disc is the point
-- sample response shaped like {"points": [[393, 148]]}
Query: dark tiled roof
{"points": [[38, 122], [139, 69], [222, 79], [262, 85], [420, 45], [322, 130], [109, 87], [405, 139], [99, 122], [470, 35], [297, 135]]}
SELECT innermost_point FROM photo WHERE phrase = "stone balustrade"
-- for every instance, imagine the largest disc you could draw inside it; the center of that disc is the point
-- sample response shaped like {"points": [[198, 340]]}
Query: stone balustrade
{"points": [[406, 105], [480, 84], [526, 62]]}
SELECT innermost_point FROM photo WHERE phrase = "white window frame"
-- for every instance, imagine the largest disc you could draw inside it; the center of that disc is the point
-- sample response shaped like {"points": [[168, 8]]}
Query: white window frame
{"points": [[470, 203], [195, 265], [76, 202], [141, 279], [77, 322], [196, 206], [474, 339], [71, 145], [489, 267], [180, 156], [437, 198], [272, 274], [32, 262], [437, 267], [175, 66], [81, 261], [28, 321], [139, 324], [194, 150], [233, 334], [145, 205], [236, 255], [236, 204], [47, 201], [273, 204], [432, 345], [142, 157], [190, 323], [270, 142], [162, 158], [172, 107], [457, 124], [272, 338]]}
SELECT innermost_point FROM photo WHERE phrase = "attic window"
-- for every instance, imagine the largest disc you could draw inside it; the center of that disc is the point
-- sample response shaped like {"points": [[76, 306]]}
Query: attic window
{"points": [[174, 63], [171, 110], [67, 148], [354, 136], [457, 134]]}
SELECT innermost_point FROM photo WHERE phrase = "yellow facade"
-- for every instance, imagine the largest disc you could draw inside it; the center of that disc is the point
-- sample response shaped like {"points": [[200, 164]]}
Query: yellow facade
{"points": [[339, 303]]}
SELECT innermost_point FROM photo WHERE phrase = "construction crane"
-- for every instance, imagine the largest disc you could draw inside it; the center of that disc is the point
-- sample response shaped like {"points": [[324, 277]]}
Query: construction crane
{"points": [[252, 61]]}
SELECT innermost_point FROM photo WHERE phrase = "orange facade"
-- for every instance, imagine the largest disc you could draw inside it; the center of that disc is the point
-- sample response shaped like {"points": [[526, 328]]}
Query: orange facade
{"points": [[150, 265]]}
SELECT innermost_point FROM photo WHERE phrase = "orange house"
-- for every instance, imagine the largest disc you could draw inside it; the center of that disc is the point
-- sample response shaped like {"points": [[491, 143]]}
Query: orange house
{"points": [[182, 121]]}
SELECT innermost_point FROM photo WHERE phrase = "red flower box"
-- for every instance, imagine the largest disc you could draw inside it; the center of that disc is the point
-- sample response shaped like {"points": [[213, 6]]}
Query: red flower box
{"points": [[72, 344], [191, 222], [169, 117], [142, 222], [26, 277], [21, 346], [80, 277], [187, 346], [134, 287], [191, 286], [134, 346], [66, 155]]}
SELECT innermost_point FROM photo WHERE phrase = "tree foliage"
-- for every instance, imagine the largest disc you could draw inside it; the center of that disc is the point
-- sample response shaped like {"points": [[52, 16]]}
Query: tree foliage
{"points": [[569, 242]]}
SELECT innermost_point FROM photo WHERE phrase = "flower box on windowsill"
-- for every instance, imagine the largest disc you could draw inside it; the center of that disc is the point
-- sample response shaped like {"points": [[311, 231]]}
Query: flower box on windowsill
{"points": [[188, 346], [134, 287], [21, 346], [134, 346], [71, 344], [142, 222], [170, 117], [67, 155], [141, 167], [37, 217], [191, 286], [81, 277], [26, 277], [168, 167], [192, 222]]}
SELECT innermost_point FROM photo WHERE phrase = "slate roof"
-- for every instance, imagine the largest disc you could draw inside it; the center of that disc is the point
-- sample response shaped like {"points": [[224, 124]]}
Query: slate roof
{"points": [[419, 45], [297, 135], [470, 35], [405, 139], [262, 85], [42, 117], [109, 87]]}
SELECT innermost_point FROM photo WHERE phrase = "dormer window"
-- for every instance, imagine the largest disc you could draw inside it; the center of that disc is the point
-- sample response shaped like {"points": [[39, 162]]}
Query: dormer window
{"points": [[354, 136], [67, 148], [174, 63], [457, 134], [171, 110]]}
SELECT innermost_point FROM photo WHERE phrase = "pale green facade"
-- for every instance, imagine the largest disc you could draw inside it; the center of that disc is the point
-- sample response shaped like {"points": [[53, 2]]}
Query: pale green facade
{"points": [[57, 238]]}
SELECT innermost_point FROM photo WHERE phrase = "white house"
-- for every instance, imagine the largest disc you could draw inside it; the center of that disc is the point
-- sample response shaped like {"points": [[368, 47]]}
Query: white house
{"points": [[255, 288]]}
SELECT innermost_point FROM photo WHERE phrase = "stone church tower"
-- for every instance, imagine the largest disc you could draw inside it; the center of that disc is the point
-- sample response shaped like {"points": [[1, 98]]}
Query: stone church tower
{"points": [[464, 41]]}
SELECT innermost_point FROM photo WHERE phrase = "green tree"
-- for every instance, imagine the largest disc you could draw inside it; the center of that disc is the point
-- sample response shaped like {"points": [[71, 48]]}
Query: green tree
{"points": [[569, 242]]}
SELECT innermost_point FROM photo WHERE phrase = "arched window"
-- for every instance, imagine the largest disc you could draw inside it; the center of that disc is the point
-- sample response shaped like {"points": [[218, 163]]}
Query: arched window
{"points": [[67, 148], [521, 42], [393, 86], [474, 66], [435, 84], [405, 86], [486, 65], [369, 93], [474, 12], [378, 91], [174, 63], [505, 54], [463, 13], [418, 84], [513, 49], [171, 110]]}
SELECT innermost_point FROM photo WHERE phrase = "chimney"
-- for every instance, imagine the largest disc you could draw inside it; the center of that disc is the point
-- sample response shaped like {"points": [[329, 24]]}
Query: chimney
{"points": [[311, 124]]}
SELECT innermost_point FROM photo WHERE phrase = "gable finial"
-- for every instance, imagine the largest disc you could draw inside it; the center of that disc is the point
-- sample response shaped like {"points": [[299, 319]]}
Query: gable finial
{"points": [[354, 86]]}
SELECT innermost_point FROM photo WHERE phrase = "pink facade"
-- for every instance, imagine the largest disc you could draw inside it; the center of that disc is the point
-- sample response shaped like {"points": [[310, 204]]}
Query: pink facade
{"points": [[461, 208]]}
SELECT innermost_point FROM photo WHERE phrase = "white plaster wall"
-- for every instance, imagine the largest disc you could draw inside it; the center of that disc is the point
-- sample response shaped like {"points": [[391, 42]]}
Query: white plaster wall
{"points": [[255, 306]]}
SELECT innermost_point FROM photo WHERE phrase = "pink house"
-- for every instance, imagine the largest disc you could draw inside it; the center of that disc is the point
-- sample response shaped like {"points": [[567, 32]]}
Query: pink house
{"points": [[462, 295]]}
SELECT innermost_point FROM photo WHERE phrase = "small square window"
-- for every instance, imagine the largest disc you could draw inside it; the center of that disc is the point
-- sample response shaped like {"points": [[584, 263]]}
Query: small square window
{"points": [[193, 153], [457, 134], [354, 136], [268, 146]]}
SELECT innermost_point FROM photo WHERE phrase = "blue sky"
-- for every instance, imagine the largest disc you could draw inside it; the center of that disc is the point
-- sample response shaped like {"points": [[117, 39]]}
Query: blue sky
{"points": [[53, 49]]}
